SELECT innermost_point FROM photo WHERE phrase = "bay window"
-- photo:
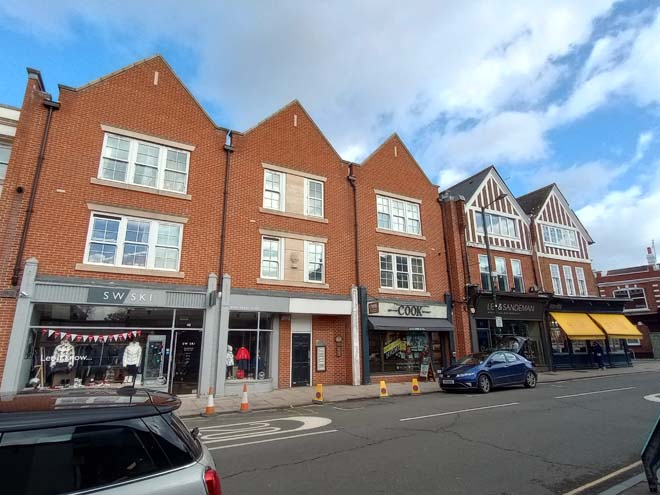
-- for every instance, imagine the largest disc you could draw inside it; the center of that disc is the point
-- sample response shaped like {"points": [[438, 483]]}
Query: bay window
{"points": [[402, 272], [398, 215], [560, 236], [145, 164], [133, 242]]}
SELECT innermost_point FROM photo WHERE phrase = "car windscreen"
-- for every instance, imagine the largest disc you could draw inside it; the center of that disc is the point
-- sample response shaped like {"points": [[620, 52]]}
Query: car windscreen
{"points": [[473, 359]]}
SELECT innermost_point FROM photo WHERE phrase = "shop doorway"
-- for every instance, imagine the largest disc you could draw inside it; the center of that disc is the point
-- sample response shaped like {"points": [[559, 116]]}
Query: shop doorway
{"points": [[300, 359], [185, 361]]}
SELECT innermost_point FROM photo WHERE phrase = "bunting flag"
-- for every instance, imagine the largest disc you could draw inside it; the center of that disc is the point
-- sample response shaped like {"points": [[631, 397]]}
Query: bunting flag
{"points": [[76, 337]]}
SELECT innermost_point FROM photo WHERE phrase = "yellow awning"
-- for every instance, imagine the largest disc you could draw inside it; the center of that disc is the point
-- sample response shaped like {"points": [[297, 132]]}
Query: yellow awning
{"points": [[578, 326], [616, 326]]}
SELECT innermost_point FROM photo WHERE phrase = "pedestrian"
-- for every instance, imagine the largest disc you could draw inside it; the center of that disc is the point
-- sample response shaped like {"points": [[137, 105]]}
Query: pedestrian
{"points": [[598, 354]]}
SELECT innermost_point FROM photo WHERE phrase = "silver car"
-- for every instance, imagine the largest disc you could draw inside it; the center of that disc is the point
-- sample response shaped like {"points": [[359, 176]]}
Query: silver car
{"points": [[106, 442]]}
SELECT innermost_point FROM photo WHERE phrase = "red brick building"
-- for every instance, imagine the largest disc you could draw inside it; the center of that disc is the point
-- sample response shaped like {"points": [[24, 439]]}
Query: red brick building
{"points": [[640, 285], [535, 267]]}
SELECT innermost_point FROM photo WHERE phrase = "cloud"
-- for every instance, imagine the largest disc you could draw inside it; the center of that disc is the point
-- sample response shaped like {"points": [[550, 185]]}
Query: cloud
{"points": [[643, 143]]}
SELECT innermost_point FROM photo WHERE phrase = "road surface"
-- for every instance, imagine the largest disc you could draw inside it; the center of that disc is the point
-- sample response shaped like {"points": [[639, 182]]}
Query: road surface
{"points": [[548, 440]]}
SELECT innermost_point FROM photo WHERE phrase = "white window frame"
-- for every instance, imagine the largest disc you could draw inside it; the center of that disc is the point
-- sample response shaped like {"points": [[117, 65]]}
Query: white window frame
{"points": [[634, 342], [281, 192], [409, 273], [502, 274], [481, 272], [517, 263], [407, 217], [307, 261], [514, 221], [121, 240], [581, 281], [4, 165], [132, 157], [627, 291], [280, 257], [547, 231], [569, 280], [555, 276], [307, 197]]}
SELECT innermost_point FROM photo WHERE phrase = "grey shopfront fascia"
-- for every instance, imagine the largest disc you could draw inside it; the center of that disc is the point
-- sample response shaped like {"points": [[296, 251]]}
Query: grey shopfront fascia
{"points": [[37, 290], [514, 309]]}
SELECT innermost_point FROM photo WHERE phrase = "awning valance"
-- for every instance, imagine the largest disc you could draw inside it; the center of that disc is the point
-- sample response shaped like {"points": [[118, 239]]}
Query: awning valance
{"points": [[578, 326], [616, 326], [393, 323]]}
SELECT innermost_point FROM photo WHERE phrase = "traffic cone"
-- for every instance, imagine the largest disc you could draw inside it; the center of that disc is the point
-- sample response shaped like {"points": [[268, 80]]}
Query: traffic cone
{"points": [[210, 404], [245, 406], [318, 396], [383, 389], [415, 387]]}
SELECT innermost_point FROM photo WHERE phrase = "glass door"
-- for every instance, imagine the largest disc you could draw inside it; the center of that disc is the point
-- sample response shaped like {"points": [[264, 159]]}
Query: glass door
{"points": [[185, 361]]}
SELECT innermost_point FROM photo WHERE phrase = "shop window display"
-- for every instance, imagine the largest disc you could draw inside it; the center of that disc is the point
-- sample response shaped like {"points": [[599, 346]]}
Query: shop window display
{"points": [[397, 352], [110, 346], [248, 346]]}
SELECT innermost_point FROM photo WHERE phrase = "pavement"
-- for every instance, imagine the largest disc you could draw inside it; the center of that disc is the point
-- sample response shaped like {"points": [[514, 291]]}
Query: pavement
{"points": [[566, 436], [300, 396]]}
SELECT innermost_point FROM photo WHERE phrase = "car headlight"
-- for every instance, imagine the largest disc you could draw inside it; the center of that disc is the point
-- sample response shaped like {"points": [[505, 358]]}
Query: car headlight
{"points": [[464, 375]]}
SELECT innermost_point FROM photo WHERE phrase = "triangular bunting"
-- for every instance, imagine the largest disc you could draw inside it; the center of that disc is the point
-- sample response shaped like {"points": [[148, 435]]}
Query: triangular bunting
{"points": [[96, 338], [125, 335], [134, 332], [73, 336], [51, 332]]}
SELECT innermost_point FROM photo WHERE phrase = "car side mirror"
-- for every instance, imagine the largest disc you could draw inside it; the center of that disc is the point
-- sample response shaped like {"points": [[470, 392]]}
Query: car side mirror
{"points": [[489, 364], [195, 432]]}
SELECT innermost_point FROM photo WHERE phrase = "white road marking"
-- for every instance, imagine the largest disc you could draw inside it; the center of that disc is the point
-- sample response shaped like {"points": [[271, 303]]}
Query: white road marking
{"points": [[595, 392], [251, 429], [272, 439], [616, 473], [653, 397], [461, 411]]}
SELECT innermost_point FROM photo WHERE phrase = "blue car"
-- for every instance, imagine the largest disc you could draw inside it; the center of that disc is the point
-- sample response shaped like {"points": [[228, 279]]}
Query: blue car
{"points": [[485, 370]]}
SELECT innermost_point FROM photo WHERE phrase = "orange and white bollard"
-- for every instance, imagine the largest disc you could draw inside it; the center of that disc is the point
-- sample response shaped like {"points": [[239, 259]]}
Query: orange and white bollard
{"points": [[318, 396], [210, 404], [245, 406], [383, 389], [415, 387]]}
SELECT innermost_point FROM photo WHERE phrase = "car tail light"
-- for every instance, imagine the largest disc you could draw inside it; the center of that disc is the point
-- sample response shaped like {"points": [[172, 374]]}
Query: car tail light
{"points": [[212, 481]]}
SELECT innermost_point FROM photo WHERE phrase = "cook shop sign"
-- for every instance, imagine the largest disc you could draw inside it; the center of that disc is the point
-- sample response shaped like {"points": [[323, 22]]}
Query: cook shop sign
{"points": [[406, 310]]}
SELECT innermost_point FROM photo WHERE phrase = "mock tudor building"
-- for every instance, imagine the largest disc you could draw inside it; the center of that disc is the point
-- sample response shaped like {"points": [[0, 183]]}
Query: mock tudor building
{"points": [[537, 280], [640, 286]]}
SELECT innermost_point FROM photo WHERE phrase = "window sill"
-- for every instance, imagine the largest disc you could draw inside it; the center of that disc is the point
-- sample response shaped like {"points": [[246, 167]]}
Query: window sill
{"points": [[402, 234], [84, 267], [293, 215], [290, 283], [404, 292], [133, 187]]}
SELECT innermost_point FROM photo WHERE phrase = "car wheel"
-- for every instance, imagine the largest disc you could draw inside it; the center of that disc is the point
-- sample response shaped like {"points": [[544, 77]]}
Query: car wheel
{"points": [[484, 384], [530, 380]]}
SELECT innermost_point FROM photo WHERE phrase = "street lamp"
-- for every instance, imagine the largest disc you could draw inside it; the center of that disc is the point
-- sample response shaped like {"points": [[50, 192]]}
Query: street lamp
{"points": [[490, 266]]}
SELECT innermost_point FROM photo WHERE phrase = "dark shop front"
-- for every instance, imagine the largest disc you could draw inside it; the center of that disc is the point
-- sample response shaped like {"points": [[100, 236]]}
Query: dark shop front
{"points": [[519, 315], [405, 335]]}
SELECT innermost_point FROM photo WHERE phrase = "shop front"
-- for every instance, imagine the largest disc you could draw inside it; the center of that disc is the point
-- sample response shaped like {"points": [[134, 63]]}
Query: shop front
{"points": [[520, 315], [281, 340], [407, 337], [589, 333], [84, 336]]}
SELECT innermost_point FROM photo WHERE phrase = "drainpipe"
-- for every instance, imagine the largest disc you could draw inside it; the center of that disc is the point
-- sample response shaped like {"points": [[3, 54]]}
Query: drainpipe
{"points": [[362, 291], [536, 265], [229, 149], [51, 106], [443, 212]]}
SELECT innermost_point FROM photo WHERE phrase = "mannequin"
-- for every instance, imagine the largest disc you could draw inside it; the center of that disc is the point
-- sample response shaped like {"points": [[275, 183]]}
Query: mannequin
{"points": [[131, 360], [230, 361], [61, 363]]}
